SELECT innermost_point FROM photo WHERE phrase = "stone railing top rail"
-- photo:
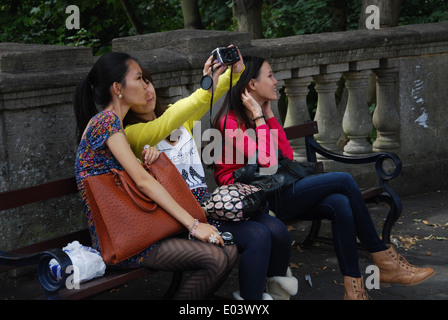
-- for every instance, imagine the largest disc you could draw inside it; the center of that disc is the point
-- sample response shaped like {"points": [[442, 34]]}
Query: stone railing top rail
{"points": [[177, 57], [186, 50], [181, 45], [357, 39]]}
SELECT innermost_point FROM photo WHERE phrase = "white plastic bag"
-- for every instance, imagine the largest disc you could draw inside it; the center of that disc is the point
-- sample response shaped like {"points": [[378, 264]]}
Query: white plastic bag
{"points": [[87, 263]]}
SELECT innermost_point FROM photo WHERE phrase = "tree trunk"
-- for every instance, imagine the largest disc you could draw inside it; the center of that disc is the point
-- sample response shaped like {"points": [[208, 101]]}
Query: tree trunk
{"points": [[192, 17], [132, 17], [339, 15], [248, 16]]}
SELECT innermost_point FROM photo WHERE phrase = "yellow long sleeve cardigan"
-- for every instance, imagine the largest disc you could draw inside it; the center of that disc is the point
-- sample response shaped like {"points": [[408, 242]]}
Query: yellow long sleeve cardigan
{"points": [[183, 112]]}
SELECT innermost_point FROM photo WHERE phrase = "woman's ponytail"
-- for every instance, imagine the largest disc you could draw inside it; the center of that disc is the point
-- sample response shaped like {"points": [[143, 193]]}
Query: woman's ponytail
{"points": [[84, 106]]}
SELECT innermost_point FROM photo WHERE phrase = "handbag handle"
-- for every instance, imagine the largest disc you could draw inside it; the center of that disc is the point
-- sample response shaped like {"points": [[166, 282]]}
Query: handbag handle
{"points": [[132, 191]]}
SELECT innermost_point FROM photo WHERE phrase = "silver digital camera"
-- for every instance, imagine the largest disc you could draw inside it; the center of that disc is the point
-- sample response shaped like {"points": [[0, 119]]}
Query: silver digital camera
{"points": [[226, 56]]}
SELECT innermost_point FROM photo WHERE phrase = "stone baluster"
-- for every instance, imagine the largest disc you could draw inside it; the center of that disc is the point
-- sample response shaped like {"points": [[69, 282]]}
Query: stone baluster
{"points": [[357, 121], [296, 90], [327, 115], [386, 118]]}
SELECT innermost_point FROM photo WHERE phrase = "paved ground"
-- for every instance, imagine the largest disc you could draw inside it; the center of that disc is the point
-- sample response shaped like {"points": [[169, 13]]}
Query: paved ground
{"points": [[421, 235]]}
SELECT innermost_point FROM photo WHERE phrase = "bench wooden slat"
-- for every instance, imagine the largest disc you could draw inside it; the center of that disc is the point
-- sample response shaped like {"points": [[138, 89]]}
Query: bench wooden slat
{"points": [[83, 236], [301, 130], [44, 191], [109, 281]]}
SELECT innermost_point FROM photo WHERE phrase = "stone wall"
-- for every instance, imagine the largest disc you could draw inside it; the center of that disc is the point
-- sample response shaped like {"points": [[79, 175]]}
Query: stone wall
{"points": [[37, 128]]}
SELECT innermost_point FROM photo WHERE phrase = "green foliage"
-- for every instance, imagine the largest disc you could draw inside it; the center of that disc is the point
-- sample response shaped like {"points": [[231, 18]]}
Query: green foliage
{"points": [[217, 14], [288, 17], [43, 21], [424, 11], [158, 16], [282, 18], [35, 21]]}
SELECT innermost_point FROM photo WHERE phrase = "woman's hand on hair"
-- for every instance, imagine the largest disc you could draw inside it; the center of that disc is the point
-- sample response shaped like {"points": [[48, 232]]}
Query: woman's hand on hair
{"points": [[251, 104], [149, 155]]}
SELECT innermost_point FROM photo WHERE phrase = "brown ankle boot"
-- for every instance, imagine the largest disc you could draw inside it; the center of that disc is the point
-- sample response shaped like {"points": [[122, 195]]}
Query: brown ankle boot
{"points": [[354, 289], [395, 269]]}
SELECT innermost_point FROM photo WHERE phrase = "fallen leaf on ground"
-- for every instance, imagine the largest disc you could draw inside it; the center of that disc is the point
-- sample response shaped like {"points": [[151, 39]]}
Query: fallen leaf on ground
{"points": [[293, 266], [337, 283]]}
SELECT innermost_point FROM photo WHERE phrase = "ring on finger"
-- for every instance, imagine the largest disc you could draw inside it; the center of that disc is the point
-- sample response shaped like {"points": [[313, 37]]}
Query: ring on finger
{"points": [[147, 146], [212, 239]]}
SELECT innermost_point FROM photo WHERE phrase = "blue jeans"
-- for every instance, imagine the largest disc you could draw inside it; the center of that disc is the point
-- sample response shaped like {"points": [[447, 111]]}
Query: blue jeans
{"points": [[334, 196], [265, 247]]}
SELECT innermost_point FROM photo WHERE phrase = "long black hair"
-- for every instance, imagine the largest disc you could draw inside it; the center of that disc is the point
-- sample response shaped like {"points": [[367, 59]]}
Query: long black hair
{"points": [[94, 89], [233, 100]]}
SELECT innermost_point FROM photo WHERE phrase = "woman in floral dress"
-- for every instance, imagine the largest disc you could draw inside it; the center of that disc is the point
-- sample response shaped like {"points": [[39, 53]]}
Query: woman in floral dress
{"points": [[115, 83]]}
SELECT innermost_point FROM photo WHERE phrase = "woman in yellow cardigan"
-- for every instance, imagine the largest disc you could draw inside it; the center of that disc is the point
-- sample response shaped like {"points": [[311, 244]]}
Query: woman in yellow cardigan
{"points": [[150, 124]]}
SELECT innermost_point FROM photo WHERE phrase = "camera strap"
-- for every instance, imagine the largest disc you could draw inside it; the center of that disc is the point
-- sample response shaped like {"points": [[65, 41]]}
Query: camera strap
{"points": [[230, 99], [211, 105]]}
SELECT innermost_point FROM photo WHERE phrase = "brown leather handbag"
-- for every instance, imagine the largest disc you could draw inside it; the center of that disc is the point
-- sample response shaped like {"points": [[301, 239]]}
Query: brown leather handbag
{"points": [[126, 220]]}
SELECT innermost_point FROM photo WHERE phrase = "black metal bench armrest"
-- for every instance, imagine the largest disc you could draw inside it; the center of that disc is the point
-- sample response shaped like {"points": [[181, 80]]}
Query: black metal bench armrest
{"points": [[377, 158], [17, 259], [42, 259]]}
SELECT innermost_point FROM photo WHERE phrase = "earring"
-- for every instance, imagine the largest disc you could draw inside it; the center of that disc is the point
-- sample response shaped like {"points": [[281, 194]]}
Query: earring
{"points": [[120, 96]]}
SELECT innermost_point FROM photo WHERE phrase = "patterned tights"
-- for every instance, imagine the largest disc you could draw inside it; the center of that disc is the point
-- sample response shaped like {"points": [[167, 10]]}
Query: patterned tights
{"points": [[209, 264]]}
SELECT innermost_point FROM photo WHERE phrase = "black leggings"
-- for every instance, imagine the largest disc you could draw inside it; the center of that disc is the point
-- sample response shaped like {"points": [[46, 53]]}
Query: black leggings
{"points": [[210, 265]]}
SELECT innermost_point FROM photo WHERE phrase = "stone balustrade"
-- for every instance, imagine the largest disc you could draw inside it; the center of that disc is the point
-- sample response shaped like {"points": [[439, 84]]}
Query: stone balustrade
{"points": [[409, 66]]}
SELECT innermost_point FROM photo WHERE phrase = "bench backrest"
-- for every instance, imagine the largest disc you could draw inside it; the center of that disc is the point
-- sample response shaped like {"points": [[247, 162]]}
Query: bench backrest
{"points": [[42, 192], [301, 130]]}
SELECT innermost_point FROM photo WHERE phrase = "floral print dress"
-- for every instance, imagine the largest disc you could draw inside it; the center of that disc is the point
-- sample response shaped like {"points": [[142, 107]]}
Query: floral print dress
{"points": [[94, 158]]}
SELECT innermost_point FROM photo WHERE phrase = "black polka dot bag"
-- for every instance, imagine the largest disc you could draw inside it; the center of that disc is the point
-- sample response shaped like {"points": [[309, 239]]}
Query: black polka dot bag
{"points": [[235, 202]]}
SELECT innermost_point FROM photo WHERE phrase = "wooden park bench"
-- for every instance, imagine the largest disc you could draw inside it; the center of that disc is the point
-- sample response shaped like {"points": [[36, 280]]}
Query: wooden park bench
{"points": [[41, 253], [383, 193]]}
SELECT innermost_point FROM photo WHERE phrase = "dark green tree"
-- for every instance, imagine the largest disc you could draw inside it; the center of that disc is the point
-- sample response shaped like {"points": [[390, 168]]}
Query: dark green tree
{"points": [[39, 21]]}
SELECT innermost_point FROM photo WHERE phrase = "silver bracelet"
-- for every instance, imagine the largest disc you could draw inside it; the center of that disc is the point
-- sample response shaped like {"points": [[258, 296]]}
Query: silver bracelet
{"points": [[193, 229]]}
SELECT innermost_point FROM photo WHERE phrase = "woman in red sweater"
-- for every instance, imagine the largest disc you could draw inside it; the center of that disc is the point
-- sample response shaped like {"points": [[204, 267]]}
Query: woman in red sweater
{"points": [[249, 125]]}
